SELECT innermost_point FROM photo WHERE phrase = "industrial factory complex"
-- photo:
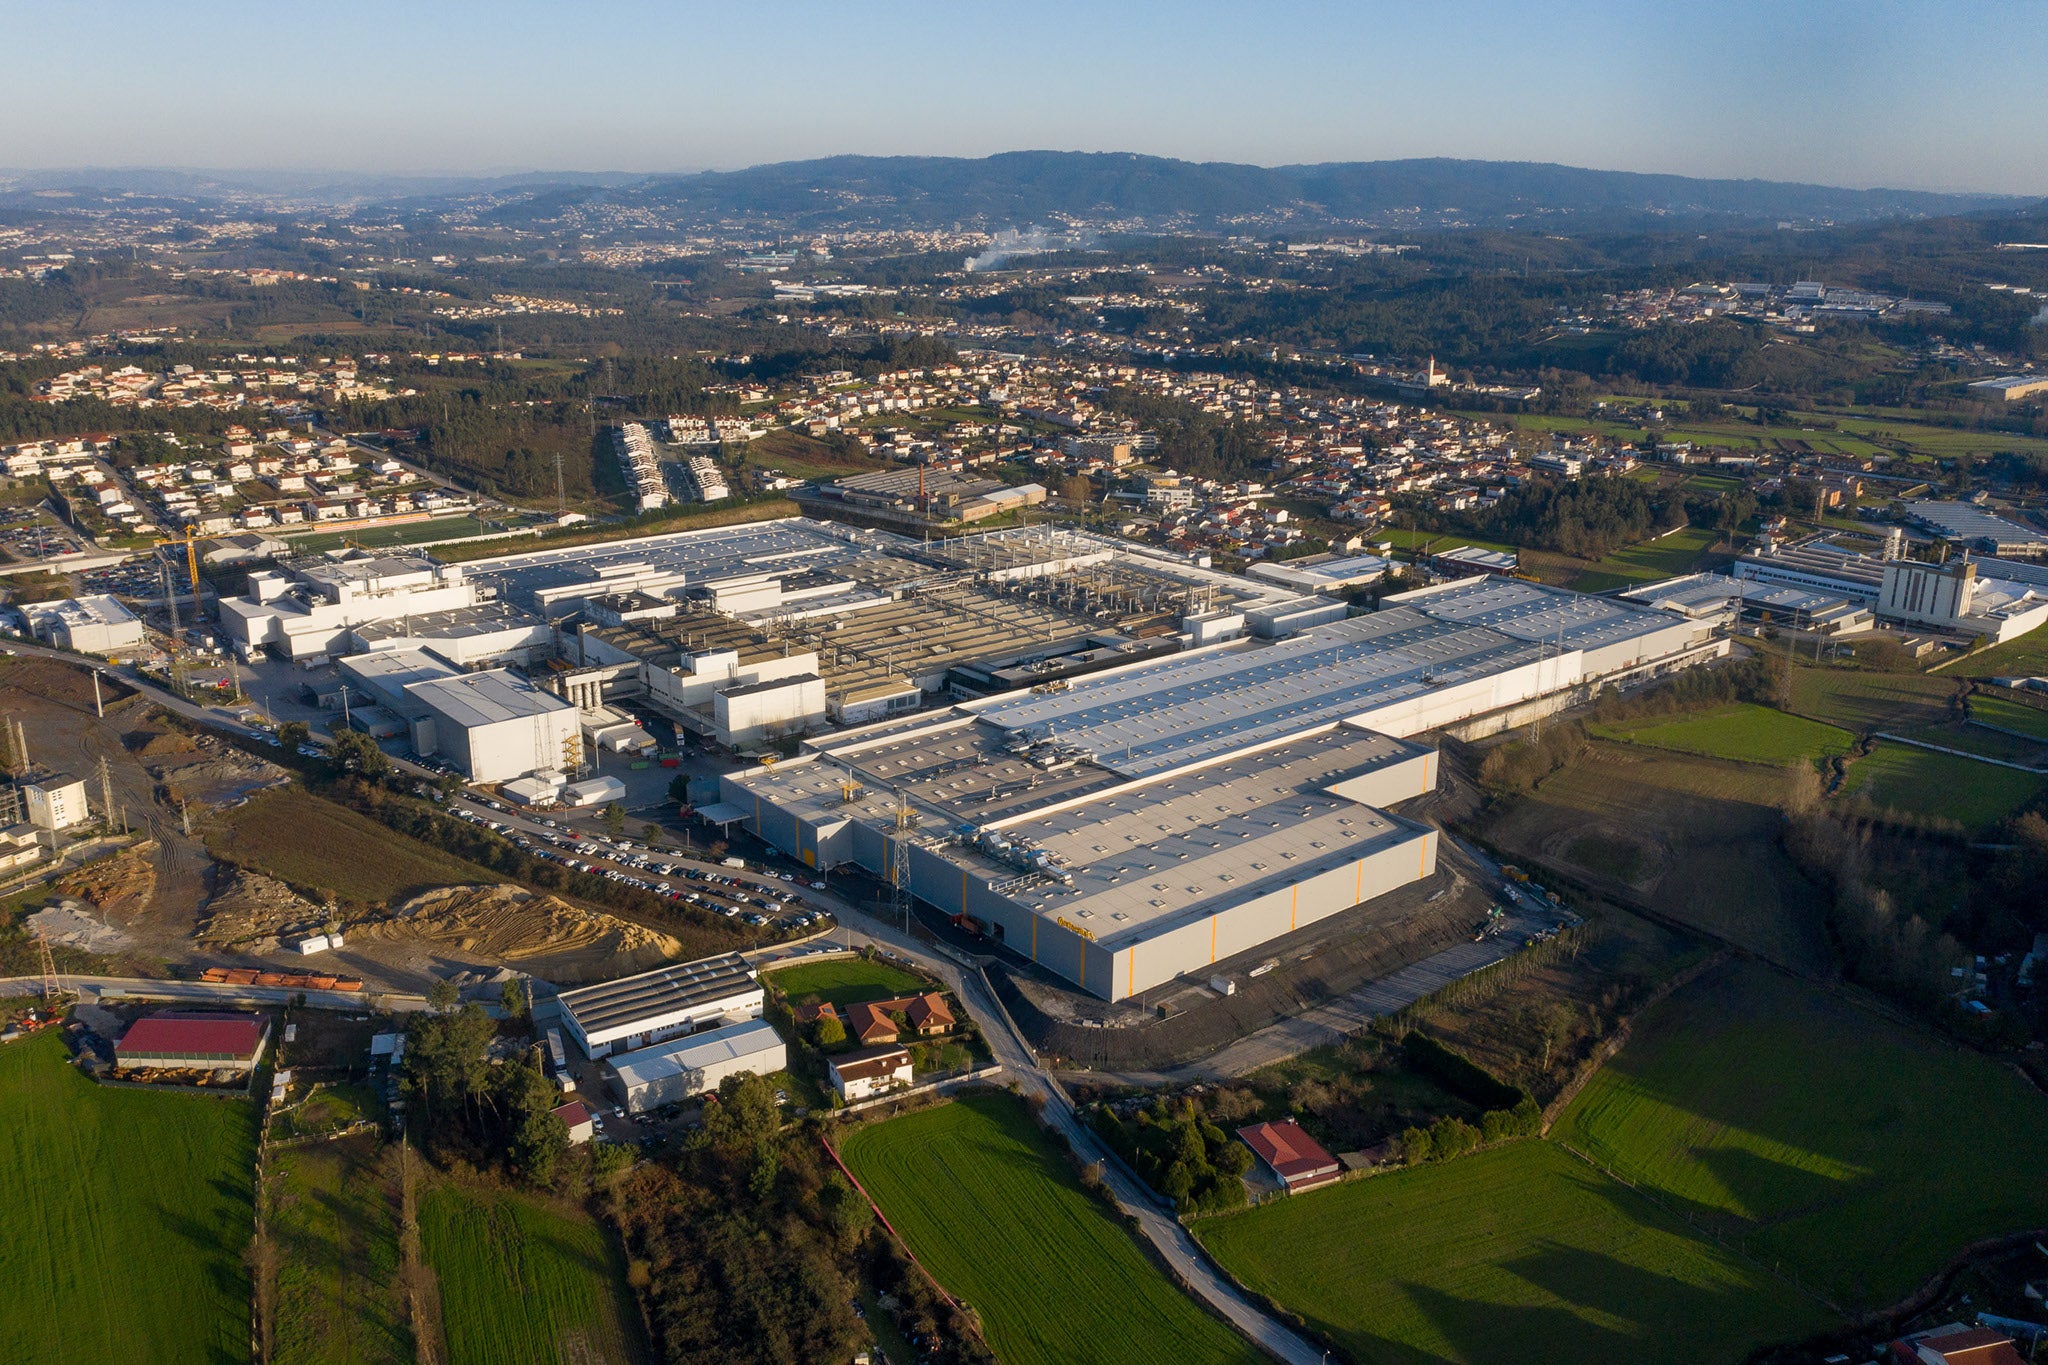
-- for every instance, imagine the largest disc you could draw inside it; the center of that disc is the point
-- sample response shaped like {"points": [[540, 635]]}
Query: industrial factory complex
{"points": [[1160, 816], [1119, 762]]}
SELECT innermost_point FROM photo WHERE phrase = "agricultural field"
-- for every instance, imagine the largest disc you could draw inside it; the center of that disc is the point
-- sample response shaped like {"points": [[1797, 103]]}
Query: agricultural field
{"points": [[1759, 1150], [1813, 1133], [1744, 732], [1689, 550], [1521, 1244], [406, 533], [2026, 657], [991, 1207], [2014, 716], [334, 1222], [1674, 831], [125, 1216], [1436, 541], [314, 844], [848, 982], [525, 1284], [1862, 701], [1922, 782]]}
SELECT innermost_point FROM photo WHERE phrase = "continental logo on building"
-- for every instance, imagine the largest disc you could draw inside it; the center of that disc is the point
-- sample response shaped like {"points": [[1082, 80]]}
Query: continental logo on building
{"points": [[1071, 927]]}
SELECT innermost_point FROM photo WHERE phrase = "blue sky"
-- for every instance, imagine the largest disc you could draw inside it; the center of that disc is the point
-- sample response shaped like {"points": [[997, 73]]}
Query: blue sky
{"points": [[1877, 92]]}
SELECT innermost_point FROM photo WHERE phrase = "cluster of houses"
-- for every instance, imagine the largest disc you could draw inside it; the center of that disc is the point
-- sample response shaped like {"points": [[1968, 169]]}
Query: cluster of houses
{"points": [[278, 479], [282, 385]]}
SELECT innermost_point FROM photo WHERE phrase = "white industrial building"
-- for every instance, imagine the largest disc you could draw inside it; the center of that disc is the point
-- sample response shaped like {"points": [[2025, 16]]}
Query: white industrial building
{"points": [[1999, 599], [671, 1072], [1152, 820], [89, 625], [746, 635], [1324, 573], [637, 1011], [1968, 524], [55, 803], [307, 610], [494, 725]]}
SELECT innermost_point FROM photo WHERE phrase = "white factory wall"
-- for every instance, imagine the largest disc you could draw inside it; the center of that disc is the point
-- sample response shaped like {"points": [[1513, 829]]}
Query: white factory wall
{"points": [[1457, 701], [748, 717], [506, 749], [659, 1026]]}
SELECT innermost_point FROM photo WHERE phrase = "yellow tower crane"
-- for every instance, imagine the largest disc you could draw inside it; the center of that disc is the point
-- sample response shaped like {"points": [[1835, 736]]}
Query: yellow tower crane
{"points": [[190, 540]]}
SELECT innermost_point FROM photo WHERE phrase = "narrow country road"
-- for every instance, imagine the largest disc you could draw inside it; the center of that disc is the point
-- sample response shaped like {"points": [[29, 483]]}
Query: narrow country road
{"points": [[1175, 1245]]}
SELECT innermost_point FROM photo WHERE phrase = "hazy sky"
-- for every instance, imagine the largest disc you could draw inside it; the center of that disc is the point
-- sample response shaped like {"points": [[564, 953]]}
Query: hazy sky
{"points": [[1950, 95]]}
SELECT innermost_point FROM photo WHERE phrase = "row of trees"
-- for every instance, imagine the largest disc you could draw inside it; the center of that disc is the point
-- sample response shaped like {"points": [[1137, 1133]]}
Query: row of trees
{"points": [[749, 1245], [1178, 1151]]}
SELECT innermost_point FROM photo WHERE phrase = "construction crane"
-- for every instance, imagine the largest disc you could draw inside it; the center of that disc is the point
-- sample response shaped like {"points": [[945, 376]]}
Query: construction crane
{"points": [[190, 540]]}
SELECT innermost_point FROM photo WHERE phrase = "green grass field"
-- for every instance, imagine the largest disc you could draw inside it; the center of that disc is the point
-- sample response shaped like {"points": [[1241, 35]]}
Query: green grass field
{"points": [[1437, 541], [2015, 716], [1817, 1134], [1921, 782], [848, 982], [1744, 732], [125, 1216], [1860, 701], [407, 533], [1518, 1253], [1682, 552], [992, 1209], [334, 1217], [522, 1284], [1787, 1149], [311, 842], [2026, 657]]}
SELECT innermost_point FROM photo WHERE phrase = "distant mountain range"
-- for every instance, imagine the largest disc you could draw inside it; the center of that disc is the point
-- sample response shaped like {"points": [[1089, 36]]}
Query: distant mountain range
{"points": [[1016, 187]]}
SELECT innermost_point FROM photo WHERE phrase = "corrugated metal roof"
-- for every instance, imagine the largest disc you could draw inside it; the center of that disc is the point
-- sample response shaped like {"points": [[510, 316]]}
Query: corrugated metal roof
{"points": [[178, 1034], [665, 990], [753, 1040], [473, 699]]}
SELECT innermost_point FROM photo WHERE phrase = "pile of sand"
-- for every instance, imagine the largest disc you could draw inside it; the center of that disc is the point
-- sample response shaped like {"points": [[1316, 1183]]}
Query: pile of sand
{"points": [[513, 925], [250, 906], [120, 885], [68, 924]]}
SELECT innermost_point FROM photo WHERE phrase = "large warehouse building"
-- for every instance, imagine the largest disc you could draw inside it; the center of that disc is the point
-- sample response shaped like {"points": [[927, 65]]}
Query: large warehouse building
{"points": [[89, 625], [1999, 599], [671, 1072], [636, 1011], [1144, 823]]}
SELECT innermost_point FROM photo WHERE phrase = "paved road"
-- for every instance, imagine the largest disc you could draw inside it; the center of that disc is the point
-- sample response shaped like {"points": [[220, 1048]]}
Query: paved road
{"points": [[218, 994], [1168, 1237]]}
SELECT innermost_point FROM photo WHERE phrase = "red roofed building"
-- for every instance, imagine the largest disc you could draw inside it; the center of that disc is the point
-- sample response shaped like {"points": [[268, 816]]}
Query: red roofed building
{"points": [[928, 1014], [191, 1041], [1957, 1345], [870, 1024], [1298, 1159], [578, 1120]]}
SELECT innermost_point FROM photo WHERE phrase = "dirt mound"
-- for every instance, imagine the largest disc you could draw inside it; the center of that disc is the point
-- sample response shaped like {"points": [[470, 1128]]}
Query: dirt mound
{"points": [[157, 743], [120, 885], [218, 778], [543, 934], [68, 923], [251, 906]]}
